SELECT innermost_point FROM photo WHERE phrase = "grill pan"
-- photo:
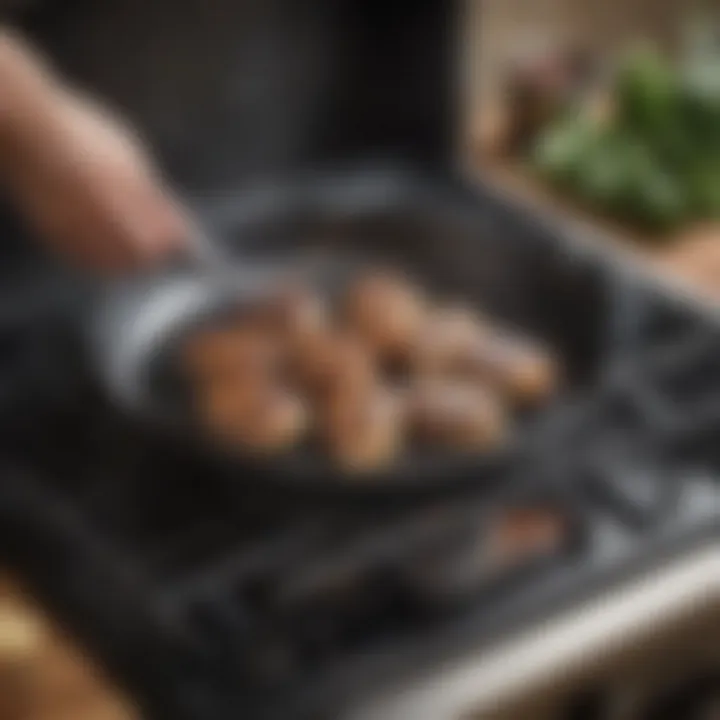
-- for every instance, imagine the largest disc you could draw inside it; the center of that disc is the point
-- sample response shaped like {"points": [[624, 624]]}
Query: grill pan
{"points": [[323, 228]]}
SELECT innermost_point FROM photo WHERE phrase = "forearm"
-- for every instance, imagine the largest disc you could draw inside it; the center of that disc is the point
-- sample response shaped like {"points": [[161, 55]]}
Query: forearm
{"points": [[80, 178], [27, 84], [37, 106], [31, 96]]}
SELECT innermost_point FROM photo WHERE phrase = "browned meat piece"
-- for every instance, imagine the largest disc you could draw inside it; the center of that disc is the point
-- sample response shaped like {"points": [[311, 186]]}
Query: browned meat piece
{"points": [[522, 371], [456, 343], [329, 363], [295, 312], [447, 339], [256, 419], [387, 312], [365, 433], [231, 351], [280, 423], [224, 401], [457, 414]]}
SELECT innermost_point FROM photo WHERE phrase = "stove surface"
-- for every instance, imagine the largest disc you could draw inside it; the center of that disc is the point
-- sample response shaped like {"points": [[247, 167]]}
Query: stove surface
{"points": [[202, 590]]}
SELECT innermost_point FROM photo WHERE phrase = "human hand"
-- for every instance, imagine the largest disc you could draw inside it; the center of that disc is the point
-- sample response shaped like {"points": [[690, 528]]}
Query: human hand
{"points": [[85, 184]]}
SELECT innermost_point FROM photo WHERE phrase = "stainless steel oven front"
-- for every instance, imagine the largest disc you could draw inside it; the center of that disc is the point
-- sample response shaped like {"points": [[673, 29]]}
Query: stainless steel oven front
{"points": [[612, 659]]}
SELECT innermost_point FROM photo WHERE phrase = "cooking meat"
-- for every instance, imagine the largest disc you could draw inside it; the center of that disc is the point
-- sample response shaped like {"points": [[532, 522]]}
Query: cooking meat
{"points": [[224, 401], [456, 343], [387, 312], [522, 371], [263, 420], [295, 311], [331, 362], [366, 434], [281, 422], [236, 350], [457, 414], [455, 377], [449, 336]]}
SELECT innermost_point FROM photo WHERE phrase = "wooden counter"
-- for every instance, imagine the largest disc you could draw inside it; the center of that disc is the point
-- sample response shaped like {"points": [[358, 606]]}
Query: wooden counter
{"points": [[43, 676], [690, 258]]}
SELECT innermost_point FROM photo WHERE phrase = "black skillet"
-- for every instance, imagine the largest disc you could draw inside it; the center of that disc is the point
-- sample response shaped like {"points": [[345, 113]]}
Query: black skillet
{"points": [[139, 327]]}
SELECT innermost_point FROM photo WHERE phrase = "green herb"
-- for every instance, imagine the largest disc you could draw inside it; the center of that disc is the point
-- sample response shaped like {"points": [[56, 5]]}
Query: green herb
{"points": [[656, 161]]}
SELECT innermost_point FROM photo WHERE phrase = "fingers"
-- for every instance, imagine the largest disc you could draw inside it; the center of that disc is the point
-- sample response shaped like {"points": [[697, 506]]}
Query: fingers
{"points": [[93, 194], [129, 228], [159, 228], [143, 234]]}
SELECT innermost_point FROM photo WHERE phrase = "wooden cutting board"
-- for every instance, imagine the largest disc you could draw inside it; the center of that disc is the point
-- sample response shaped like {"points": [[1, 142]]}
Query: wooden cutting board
{"points": [[692, 256], [43, 675]]}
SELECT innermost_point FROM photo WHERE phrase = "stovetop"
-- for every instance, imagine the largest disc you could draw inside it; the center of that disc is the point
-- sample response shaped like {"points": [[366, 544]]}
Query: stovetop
{"points": [[199, 590]]}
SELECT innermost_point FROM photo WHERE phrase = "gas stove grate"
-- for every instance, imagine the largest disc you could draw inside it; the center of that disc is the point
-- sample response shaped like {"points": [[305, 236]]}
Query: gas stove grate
{"points": [[271, 603]]}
